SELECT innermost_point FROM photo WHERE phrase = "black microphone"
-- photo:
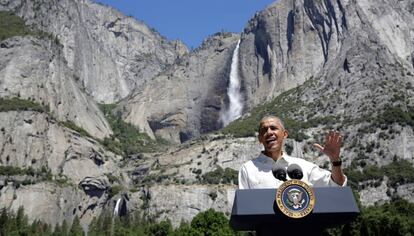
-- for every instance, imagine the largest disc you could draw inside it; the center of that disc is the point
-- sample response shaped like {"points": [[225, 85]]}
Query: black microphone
{"points": [[295, 172], [279, 173]]}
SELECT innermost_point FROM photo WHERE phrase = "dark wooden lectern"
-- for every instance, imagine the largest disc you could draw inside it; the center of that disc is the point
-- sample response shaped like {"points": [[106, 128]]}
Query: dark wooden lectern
{"points": [[256, 210]]}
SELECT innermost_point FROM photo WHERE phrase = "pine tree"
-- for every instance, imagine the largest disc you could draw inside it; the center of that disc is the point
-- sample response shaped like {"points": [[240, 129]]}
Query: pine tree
{"points": [[106, 228], [20, 218], [4, 218], [76, 229], [163, 228], [186, 230], [93, 227], [65, 228], [58, 230]]}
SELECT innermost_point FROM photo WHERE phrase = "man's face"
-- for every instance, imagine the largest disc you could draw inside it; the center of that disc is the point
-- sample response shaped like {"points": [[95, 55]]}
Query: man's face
{"points": [[272, 134]]}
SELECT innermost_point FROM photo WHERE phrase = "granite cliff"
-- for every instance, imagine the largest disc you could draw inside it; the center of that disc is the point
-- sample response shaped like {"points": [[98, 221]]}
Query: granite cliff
{"points": [[110, 53], [185, 101], [342, 64]]}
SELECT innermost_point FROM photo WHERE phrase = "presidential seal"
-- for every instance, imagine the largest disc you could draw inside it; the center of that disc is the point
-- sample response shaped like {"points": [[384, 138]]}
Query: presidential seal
{"points": [[295, 198]]}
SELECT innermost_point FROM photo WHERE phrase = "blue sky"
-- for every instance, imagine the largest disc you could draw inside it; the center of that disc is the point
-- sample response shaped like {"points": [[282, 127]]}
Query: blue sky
{"points": [[191, 20]]}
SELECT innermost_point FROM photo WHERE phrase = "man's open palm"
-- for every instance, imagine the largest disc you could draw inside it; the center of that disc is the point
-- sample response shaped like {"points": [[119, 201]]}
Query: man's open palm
{"points": [[332, 145]]}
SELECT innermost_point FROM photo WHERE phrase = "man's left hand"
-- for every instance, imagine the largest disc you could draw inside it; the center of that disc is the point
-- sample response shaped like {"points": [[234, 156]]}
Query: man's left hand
{"points": [[332, 145]]}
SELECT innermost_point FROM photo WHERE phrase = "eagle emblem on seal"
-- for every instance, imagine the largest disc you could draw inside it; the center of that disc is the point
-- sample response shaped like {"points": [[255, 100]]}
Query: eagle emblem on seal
{"points": [[295, 198]]}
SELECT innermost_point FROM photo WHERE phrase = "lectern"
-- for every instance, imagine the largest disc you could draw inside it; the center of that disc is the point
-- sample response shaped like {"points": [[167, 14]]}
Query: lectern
{"points": [[256, 210]]}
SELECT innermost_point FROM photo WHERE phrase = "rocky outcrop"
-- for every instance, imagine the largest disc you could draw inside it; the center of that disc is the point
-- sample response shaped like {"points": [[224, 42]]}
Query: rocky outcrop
{"points": [[35, 140], [374, 195], [287, 43], [390, 20], [33, 69], [93, 186], [44, 142], [53, 203], [110, 53], [185, 202], [43, 201], [292, 41], [185, 101], [206, 155], [406, 191]]}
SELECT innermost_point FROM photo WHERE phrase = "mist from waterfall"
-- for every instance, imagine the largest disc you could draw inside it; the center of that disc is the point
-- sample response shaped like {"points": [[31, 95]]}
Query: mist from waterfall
{"points": [[235, 107]]}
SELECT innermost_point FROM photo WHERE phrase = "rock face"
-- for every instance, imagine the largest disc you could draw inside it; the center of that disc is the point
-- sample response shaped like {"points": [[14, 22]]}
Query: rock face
{"points": [[350, 64], [52, 203], [185, 100], [32, 139], [372, 195], [35, 140], [110, 53], [205, 155], [406, 191], [43, 201], [291, 41], [185, 202], [288, 42], [33, 69]]}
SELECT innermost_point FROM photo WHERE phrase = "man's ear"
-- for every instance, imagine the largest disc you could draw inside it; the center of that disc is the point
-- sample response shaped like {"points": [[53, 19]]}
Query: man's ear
{"points": [[258, 137], [285, 133]]}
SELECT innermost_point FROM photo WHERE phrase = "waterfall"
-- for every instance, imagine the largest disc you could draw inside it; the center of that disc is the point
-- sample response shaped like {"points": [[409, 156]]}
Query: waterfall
{"points": [[233, 91], [117, 206]]}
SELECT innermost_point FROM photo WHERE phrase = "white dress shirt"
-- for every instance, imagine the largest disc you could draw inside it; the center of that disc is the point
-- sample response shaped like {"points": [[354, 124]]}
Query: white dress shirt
{"points": [[257, 173]]}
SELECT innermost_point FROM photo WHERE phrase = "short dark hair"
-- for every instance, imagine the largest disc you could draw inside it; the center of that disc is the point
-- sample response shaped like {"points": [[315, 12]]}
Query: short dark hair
{"points": [[266, 117]]}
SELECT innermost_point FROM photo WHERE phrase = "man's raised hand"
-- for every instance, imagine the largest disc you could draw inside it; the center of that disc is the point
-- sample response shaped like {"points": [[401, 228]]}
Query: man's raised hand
{"points": [[332, 145]]}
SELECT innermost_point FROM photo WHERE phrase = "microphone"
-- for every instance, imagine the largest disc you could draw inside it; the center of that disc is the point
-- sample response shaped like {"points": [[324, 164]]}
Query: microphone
{"points": [[279, 173], [295, 172]]}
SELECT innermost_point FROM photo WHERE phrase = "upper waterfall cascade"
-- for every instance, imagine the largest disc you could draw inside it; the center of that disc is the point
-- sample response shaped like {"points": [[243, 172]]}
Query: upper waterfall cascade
{"points": [[235, 107]]}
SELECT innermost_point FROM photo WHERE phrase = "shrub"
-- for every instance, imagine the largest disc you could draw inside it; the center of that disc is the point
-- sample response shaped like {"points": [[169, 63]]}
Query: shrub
{"points": [[114, 190], [394, 218], [127, 139], [12, 25], [72, 126], [11, 170], [17, 104], [399, 172], [226, 176], [211, 222], [393, 114]]}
